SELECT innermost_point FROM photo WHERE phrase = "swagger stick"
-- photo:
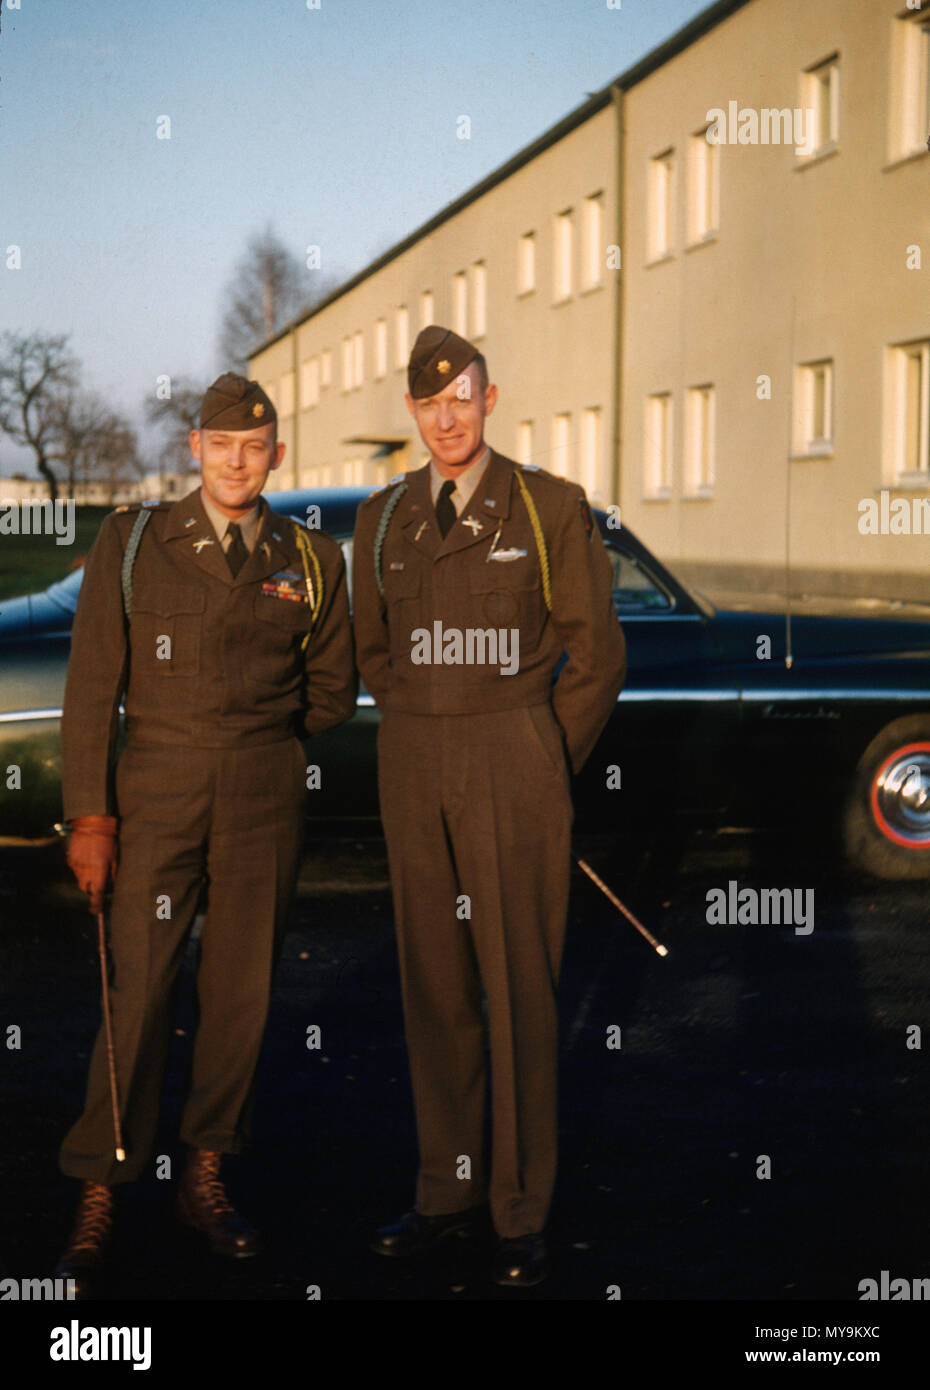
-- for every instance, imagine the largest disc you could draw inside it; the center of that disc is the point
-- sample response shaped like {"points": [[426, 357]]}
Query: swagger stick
{"points": [[108, 1024], [660, 950]]}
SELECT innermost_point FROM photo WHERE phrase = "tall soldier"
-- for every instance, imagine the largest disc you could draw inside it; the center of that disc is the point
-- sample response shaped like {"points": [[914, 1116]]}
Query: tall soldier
{"points": [[472, 577], [226, 628]]}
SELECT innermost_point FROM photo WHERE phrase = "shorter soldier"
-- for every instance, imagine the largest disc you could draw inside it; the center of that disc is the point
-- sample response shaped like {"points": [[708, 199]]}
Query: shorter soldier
{"points": [[226, 628], [473, 576]]}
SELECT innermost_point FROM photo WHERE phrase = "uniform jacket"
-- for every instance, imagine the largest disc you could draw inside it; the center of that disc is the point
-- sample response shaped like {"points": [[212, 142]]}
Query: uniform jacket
{"points": [[231, 671], [457, 583]]}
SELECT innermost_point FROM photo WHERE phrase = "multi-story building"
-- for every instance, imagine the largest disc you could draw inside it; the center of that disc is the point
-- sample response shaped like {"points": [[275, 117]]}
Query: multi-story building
{"points": [[703, 295]]}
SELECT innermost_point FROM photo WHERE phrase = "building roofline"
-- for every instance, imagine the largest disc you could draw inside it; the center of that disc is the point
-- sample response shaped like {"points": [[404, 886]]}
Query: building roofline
{"points": [[683, 38]]}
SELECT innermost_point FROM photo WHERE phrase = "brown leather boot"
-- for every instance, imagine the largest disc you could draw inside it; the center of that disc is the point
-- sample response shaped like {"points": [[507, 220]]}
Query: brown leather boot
{"points": [[89, 1239], [203, 1204]]}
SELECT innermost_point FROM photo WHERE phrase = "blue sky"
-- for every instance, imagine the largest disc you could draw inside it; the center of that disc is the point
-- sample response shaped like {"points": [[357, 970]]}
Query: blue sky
{"points": [[337, 125]]}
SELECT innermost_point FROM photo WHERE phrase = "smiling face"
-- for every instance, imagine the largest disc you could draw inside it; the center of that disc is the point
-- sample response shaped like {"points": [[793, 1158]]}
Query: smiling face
{"points": [[451, 423], [234, 465]]}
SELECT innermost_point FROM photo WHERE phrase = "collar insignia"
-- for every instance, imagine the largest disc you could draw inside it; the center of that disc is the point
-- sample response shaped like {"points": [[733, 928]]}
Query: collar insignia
{"points": [[199, 545], [474, 523]]}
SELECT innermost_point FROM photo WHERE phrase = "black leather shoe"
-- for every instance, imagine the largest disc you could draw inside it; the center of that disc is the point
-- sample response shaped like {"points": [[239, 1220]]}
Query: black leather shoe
{"points": [[521, 1261], [414, 1233], [90, 1238], [203, 1204]]}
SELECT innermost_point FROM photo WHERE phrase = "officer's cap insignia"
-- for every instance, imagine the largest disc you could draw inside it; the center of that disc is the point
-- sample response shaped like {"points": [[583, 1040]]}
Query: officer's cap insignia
{"points": [[444, 367], [258, 410], [474, 523], [199, 545]]}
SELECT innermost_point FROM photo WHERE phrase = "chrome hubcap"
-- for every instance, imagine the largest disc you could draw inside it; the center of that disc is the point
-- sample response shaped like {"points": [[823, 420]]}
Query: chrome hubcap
{"points": [[901, 797]]}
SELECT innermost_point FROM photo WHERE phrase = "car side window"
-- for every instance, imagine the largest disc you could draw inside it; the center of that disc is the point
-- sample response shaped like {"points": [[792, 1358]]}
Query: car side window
{"points": [[633, 588]]}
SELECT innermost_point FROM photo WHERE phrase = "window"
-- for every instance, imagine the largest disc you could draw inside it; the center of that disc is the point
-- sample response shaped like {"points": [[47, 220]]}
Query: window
{"points": [[820, 100], [814, 408], [525, 441], [460, 303], [326, 368], [910, 412], [381, 351], [526, 263], [401, 337], [561, 444], [700, 423], [564, 255], [358, 352], [309, 383], [593, 233], [703, 184], [427, 309], [271, 391], [633, 587], [658, 445], [910, 85], [590, 450], [348, 364], [479, 299], [661, 196]]}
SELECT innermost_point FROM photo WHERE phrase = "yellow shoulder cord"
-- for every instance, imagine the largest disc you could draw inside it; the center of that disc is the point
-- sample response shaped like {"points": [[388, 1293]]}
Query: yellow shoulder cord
{"points": [[314, 593], [538, 537]]}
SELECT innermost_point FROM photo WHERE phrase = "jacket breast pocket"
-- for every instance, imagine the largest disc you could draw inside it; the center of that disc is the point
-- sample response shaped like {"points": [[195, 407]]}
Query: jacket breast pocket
{"points": [[509, 595], [166, 629], [276, 653]]}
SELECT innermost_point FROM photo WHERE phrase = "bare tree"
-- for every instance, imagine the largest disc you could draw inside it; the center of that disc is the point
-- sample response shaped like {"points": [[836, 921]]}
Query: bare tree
{"points": [[35, 373], [176, 415], [93, 441], [268, 289]]}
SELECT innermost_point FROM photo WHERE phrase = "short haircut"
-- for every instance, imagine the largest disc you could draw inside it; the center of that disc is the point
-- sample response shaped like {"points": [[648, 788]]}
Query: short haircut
{"points": [[482, 366]]}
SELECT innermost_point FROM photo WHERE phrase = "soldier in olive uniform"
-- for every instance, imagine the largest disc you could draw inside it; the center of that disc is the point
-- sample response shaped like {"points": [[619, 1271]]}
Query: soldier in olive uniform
{"points": [[472, 577], [226, 629]]}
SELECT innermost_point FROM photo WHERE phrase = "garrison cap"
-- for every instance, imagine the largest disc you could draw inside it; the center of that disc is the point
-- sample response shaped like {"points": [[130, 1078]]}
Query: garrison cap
{"points": [[438, 357], [233, 403]]}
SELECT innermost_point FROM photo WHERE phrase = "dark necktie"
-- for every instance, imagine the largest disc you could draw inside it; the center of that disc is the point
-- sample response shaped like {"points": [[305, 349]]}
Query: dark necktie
{"points": [[445, 509], [237, 554]]}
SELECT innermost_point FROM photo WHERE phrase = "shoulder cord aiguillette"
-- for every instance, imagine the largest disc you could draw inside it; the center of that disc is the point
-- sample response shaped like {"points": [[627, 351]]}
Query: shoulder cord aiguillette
{"points": [[314, 591], [381, 532], [538, 536], [129, 559]]}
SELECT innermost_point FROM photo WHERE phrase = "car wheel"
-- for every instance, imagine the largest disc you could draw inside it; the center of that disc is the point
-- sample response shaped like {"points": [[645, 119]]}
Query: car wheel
{"points": [[887, 821]]}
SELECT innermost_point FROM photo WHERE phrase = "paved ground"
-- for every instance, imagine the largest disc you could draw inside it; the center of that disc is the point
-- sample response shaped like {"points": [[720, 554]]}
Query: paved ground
{"points": [[745, 1041]]}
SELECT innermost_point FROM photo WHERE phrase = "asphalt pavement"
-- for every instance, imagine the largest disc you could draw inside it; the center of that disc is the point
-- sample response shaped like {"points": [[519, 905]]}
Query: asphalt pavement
{"points": [[760, 1132]]}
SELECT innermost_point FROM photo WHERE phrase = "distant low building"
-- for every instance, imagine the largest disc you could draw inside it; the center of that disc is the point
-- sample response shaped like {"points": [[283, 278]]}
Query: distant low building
{"points": [[99, 493]]}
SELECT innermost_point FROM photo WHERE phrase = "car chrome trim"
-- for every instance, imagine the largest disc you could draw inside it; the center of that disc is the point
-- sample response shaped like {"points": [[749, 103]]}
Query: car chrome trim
{"points": [[22, 716], [837, 693]]}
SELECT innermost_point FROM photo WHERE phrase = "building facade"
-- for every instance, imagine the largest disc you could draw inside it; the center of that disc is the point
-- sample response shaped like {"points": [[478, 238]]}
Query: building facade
{"points": [[703, 296]]}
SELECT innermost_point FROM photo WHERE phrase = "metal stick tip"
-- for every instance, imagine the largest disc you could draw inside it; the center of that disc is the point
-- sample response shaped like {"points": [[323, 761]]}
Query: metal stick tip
{"points": [[121, 1155]]}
